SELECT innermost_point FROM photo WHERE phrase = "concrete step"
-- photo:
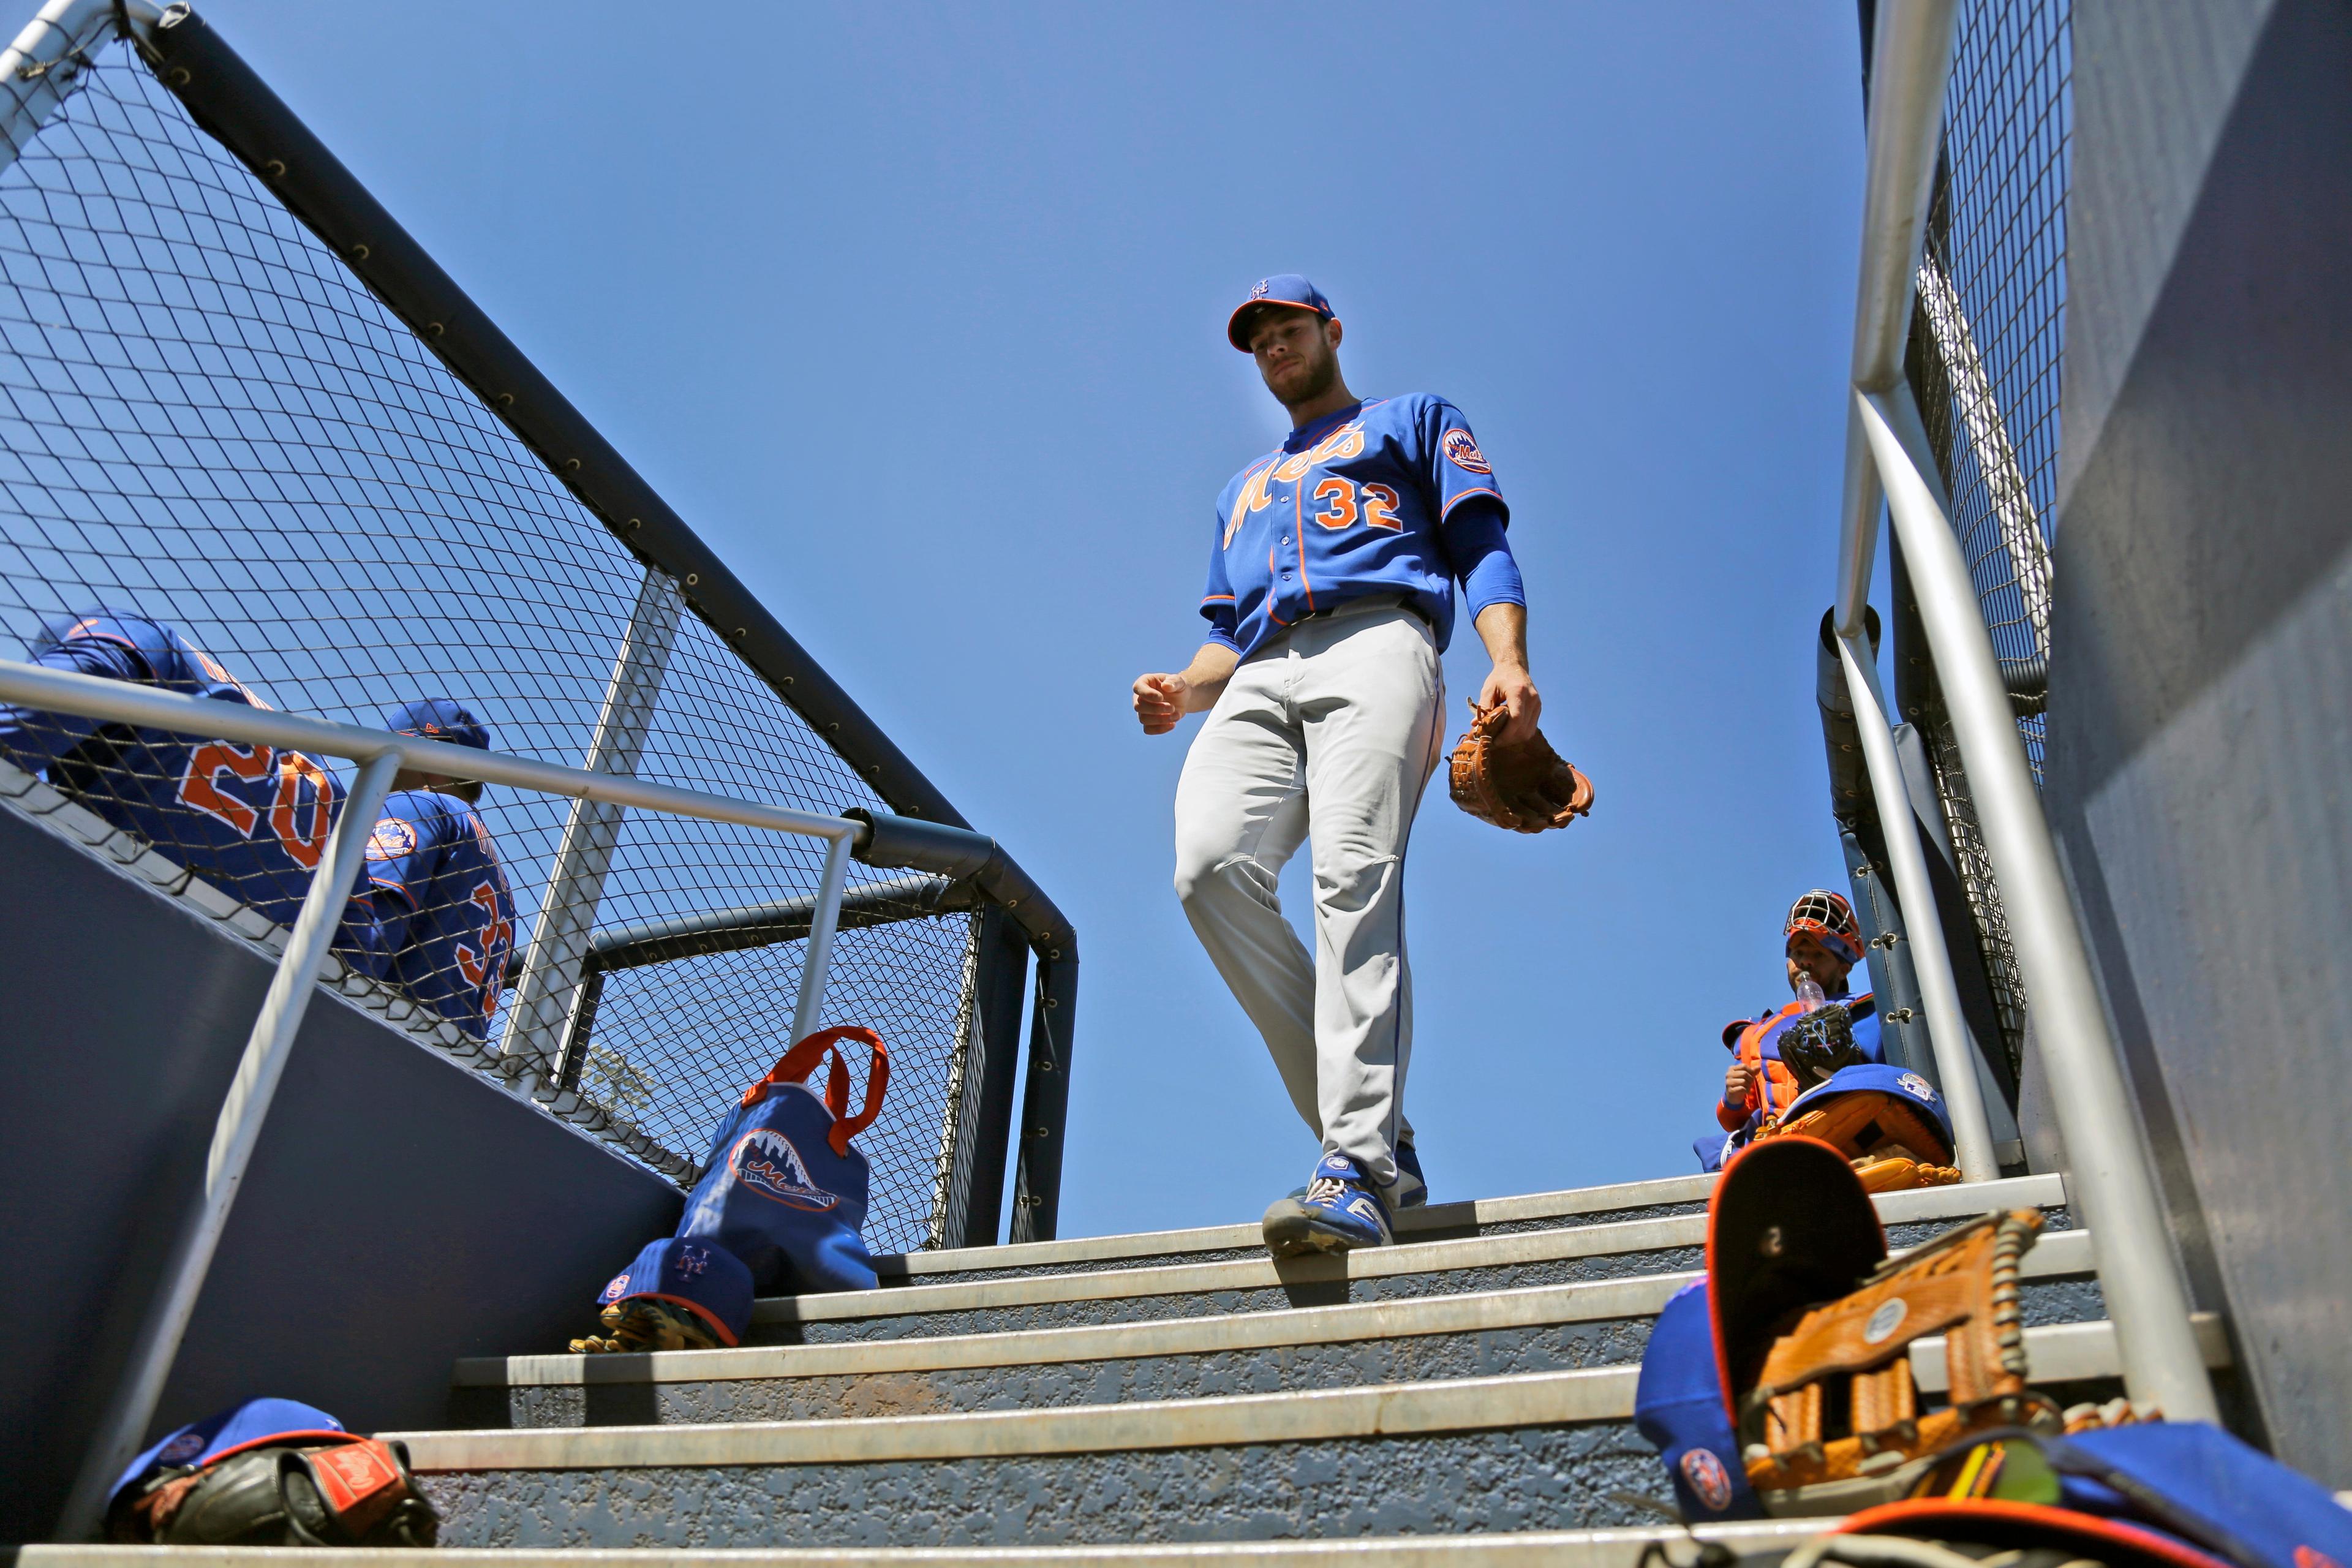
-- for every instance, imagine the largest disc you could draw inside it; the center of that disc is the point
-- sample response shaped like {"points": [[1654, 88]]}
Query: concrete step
{"points": [[1658, 1199], [1530, 1549], [1532, 1451], [1061, 1295], [1432, 1222], [1545, 1328]]}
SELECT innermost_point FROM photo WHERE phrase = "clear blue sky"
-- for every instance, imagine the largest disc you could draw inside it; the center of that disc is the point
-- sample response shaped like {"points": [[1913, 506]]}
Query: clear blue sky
{"points": [[916, 315]]}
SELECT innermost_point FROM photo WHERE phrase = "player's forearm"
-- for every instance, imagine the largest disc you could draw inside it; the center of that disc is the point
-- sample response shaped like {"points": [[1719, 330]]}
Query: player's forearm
{"points": [[1205, 677], [1503, 628]]}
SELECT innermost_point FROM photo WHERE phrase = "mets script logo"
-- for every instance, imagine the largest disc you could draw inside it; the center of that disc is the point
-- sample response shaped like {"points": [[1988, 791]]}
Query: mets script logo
{"points": [[1461, 449], [392, 839], [765, 1162], [1709, 1482], [1912, 1083]]}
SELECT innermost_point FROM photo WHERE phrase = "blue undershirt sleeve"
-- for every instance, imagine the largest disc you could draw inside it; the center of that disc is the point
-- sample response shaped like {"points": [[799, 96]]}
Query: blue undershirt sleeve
{"points": [[1480, 551]]}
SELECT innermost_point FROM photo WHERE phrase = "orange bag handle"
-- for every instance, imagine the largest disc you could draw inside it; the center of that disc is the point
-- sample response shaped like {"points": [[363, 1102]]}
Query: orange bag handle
{"points": [[797, 1064]]}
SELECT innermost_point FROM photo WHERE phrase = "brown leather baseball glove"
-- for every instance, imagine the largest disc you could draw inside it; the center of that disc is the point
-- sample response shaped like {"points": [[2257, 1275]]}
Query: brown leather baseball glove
{"points": [[1834, 1402], [1892, 1147], [1522, 785]]}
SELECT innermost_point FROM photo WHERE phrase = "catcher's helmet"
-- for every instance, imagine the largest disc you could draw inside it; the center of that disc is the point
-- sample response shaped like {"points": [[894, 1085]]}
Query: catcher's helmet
{"points": [[1829, 920]]}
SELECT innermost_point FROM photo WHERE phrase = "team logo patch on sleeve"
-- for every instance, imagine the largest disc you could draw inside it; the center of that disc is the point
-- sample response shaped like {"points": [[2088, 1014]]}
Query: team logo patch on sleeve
{"points": [[393, 838], [1462, 452], [1709, 1482]]}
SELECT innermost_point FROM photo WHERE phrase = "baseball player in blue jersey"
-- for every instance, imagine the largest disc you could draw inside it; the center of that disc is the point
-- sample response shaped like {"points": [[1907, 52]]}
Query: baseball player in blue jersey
{"points": [[1332, 563], [250, 819], [433, 881]]}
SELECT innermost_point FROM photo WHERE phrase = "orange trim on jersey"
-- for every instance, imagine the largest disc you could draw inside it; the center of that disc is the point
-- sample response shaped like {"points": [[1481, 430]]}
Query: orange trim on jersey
{"points": [[1298, 540], [1465, 495], [1218, 599]]}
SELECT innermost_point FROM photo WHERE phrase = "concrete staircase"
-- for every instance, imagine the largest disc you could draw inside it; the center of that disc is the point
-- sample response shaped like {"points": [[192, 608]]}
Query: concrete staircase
{"points": [[1464, 1396]]}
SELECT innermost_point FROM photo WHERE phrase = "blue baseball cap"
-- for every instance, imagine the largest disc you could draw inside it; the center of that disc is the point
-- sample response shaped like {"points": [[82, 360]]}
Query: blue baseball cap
{"points": [[1678, 1404], [704, 1279], [225, 1432], [438, 719], [1282, 288]]}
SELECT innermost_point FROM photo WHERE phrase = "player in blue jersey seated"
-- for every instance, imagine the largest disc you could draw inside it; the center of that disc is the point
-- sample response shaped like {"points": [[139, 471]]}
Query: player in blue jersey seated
{"points": [[251, 820], [1332, 564], [433, 883], [1820, 942]]}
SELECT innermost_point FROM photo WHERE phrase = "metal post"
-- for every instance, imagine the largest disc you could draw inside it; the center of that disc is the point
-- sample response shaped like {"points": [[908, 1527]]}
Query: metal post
{"points": [[123, 1425], [35, 72], [539, 1021], [1046, 1096], [818, 959], [1947, 1036], [2109, 1175]]}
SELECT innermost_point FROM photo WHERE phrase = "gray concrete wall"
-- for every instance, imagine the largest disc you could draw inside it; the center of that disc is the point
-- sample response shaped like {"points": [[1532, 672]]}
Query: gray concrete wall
{"points": [[2201, 708], [400, 1211]]}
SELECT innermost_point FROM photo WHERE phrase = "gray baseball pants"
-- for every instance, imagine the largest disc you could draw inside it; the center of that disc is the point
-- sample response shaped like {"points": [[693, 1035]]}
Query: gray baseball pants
{"points": [[1328, 733]]}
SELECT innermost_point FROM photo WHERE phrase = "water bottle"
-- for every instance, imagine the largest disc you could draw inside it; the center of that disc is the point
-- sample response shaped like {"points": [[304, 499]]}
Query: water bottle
{"points": [[1810, 994]]}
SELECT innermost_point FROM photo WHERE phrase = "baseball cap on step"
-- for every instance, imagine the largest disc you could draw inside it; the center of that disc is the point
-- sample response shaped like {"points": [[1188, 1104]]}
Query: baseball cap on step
{"points": [[1282, 288]]}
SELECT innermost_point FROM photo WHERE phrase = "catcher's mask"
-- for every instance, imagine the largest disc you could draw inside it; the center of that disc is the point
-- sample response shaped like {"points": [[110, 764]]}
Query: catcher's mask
{"points": [[1829, 920]]}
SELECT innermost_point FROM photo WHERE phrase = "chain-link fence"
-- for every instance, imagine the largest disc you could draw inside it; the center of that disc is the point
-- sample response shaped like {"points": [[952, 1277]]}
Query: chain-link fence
{"points": [[1987, 338], [218, 448]]}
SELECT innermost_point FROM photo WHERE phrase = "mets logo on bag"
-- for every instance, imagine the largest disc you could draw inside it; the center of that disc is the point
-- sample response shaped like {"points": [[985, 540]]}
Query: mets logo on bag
{"points": [[764, 1162]]}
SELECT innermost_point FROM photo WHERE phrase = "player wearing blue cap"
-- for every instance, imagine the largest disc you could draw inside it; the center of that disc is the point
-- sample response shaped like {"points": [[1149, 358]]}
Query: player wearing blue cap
{"points": [[252, 820], [1332, 564], [433, 881]]}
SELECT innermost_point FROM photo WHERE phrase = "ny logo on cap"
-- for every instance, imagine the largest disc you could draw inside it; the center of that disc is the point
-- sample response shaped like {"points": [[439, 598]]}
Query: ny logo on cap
{"points": [[1263, 286]]}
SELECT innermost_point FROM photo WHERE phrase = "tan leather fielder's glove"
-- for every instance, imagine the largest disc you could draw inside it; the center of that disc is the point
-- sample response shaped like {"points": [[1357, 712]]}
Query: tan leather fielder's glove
{"points": [[1523, 786], [1834, 1401]]}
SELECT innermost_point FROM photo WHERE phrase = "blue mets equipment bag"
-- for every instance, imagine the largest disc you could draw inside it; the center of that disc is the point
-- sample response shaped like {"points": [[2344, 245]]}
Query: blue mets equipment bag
{"points": [[782, 1188]]}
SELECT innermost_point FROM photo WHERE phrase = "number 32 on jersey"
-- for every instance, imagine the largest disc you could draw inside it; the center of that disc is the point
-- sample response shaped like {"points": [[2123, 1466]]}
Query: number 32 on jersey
{"points": [[1339, 502]]}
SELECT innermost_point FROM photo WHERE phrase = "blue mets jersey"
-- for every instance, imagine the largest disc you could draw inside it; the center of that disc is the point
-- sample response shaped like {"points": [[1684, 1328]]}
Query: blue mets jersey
{"points": [[442, 901], [250, 819], [1353, 504]]}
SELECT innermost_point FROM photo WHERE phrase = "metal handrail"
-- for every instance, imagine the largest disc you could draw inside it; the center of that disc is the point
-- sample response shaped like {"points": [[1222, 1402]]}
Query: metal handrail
{"points": [[2110, 1174], [238, 1128]]}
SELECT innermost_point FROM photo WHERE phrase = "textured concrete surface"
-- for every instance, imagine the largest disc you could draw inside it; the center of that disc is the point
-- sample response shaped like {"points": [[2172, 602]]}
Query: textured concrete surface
{"points": [[2201, 646], [1528, 1479], [1200, 1304], [1227, 1254], [1552, 1348], [1492, 1352]]}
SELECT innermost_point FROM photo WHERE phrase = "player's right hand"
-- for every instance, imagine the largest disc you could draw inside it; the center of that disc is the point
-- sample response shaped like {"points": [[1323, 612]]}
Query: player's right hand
{"points": [[1159, 701], [1736, 1083]]}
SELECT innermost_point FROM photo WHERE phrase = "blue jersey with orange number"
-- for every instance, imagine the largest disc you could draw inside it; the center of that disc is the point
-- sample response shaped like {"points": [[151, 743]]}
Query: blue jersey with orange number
{"points": [[1351, 505], [252, 820], [441, 898]]}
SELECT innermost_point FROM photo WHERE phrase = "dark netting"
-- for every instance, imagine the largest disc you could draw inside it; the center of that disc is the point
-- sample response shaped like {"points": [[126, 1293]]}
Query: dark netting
{"points": [[210, 427], [1987, 345]]}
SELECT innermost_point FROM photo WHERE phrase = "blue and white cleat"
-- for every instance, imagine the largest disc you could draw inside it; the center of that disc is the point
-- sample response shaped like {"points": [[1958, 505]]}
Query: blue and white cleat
{"points": [[1341, 1209]]}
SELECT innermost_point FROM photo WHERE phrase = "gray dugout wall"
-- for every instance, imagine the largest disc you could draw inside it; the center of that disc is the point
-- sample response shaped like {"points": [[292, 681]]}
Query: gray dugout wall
{"points": [[400, 1211], [2200, 695]]}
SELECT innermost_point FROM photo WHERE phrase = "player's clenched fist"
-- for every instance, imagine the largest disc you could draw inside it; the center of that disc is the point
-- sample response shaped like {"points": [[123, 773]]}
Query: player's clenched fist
{"points": [[1736, 1083], [1159, 701]]}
